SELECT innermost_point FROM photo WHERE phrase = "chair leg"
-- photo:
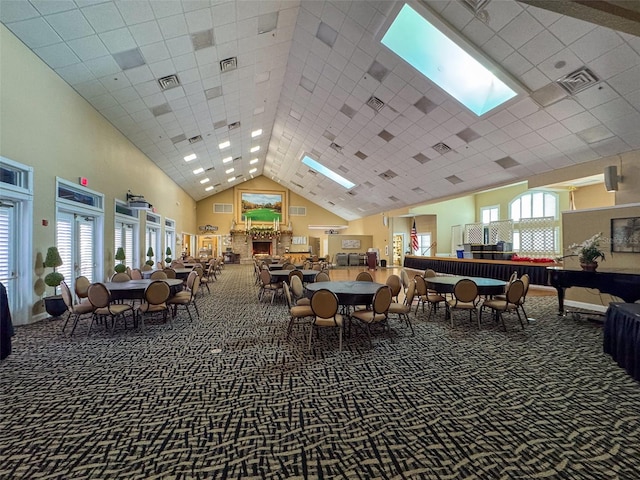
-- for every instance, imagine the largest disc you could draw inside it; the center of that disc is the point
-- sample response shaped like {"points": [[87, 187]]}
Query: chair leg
{"points": [[65, 322], [310, 336], [519, 318], [524, 313]]}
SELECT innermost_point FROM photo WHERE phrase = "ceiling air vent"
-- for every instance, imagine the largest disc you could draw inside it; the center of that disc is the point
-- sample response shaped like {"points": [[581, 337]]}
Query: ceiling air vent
{"points": [[178, 138], [297, 185], [417, 190], [237, 158], [441, 148], [228, 64], [368, 184], [388, 175], [168, 82], [234, 125], [578, 80], [454, 179], [394, 199], [195, 139], [312, 172], [336, 147], [361, 155], [375, 103], [331, 203], [507, 162]]}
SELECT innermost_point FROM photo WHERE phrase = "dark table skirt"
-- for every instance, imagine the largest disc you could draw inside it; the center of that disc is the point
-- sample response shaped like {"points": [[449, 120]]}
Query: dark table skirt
{"points": [[622, 336]]}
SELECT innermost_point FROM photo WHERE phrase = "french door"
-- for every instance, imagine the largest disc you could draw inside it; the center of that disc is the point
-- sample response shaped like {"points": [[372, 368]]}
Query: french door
{"points": [[75, 235], [8, 267]]}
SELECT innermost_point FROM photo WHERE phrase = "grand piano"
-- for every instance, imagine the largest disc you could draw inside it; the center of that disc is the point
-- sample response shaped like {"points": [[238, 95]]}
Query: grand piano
{"points": [[622, 283]]}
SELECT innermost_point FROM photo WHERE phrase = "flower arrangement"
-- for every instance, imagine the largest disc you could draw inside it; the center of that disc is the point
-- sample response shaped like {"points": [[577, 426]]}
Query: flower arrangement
{"points": [[588, 252]]}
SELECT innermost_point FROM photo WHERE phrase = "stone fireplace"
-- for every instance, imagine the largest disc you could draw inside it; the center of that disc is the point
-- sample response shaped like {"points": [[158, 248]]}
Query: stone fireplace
{"points": [[247, 246]]}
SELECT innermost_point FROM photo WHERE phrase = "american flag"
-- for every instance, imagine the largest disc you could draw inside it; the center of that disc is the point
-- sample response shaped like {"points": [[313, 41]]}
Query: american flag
{"points": [[414, 238]]}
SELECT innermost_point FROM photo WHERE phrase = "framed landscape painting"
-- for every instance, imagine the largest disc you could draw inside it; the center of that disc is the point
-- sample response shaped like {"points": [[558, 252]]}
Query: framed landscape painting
{"points": [[262, 207]]}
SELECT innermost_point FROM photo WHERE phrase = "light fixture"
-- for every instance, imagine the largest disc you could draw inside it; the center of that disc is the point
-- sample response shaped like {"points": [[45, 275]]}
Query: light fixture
{"points": [[209, 188], [137, 202], [227, 159], [253, 170], [254, 161], [255, 149], [256, 133], [204, 180], [225, 144], [231, 179], [190, 157], [424, 41], [229, 170], [310, 162], [198, 171]]}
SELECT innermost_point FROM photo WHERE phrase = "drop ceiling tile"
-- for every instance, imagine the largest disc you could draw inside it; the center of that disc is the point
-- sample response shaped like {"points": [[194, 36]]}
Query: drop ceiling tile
{"points": [[35, 32], [88, 48], [155, 52], [134, 12], [553, 131], [57, 55], [569, 29], [615, 61], [520, 30], [146, 33], [70, 25], [596, 43], [103, 17], [104, 66], [166, 9], [224, 13], [179, 45], [497, 48], [118, 40], [541, 47], [15, 11], [595, 96], [173, 26]]}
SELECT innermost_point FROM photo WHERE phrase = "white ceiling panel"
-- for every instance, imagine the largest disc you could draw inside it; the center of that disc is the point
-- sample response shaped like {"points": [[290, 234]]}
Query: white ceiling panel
{"points": [[305, 92]]}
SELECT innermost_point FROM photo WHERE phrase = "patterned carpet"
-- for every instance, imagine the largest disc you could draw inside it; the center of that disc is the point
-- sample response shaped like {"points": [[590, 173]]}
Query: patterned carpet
{"points": [[228, 396]]}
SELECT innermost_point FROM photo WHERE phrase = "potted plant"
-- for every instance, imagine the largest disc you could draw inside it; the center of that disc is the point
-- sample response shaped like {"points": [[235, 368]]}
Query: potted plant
{"points": [[54, 304], [168, 259], [120, 267], [150, 262], [588, 252]]}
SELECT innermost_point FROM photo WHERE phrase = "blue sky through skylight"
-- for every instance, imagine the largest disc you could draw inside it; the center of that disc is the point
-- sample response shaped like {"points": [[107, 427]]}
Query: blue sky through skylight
{"points": [[436, 56], [318, 167]]}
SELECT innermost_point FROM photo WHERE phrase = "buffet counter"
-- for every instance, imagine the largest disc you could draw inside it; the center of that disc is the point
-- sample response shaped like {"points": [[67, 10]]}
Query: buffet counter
{"points": [[499, 269]]}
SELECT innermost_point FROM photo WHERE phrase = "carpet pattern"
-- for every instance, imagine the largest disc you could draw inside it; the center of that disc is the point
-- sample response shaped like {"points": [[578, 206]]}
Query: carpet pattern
{"points": [[229, 396]]}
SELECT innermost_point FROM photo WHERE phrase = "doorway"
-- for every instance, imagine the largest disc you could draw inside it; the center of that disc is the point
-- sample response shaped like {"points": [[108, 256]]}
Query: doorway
{"points": [[398, 244]]}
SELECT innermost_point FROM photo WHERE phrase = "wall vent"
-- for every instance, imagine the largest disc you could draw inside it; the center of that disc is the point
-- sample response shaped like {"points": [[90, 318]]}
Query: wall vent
{"points": [[298, 211], [375, 103], [222, 207], [578, 80], [195, 139], [228, 64], [168, 82]]}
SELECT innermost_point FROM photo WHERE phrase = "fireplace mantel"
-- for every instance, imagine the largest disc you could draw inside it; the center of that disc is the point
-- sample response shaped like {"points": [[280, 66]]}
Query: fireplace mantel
{"points": [[242, 242]]}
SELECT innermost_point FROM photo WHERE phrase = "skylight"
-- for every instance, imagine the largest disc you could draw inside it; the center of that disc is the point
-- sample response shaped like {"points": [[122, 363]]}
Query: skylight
{"points": [[429, 46], [310, 162]]}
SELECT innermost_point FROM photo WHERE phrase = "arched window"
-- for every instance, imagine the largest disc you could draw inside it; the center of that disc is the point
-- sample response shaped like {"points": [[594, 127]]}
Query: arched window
{"points": [[536, 225]]}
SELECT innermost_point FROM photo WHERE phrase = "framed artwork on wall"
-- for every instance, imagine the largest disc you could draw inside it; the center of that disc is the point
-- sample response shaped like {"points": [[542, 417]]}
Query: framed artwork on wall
{"points": [[350, 244], [625, 235], [262, 206]]}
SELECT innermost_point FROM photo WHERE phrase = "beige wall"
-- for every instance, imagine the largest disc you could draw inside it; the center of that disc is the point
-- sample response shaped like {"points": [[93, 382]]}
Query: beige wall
{"points": [[316, 215], [335, 244], [581, 225], [593, 196], [47, 125]]}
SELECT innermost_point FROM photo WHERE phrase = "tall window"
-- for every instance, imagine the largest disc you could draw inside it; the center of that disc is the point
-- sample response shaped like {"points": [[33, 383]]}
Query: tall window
{"points": [[424, 244], [126, 233], [169, 237], [16, 220], [79, 232], [488, 215], [536, 226], [153, 237]]}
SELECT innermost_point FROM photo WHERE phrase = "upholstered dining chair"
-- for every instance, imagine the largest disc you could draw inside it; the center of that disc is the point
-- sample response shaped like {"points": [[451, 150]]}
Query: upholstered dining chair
{"points": [[324, 304], [296, 312], [81, 288], [155, 302], [100, 298], [146, 267], [426, 296], [508, 304], [295, 282], [323, 276], [403, 309], [465, 297], [395, 284], [169, 272], [364, 277], [296, 273], [158, 275], [406, 280], [75, 310], [187, 298], [267, 284], [136, 274], [378, 313], [120, 277]]}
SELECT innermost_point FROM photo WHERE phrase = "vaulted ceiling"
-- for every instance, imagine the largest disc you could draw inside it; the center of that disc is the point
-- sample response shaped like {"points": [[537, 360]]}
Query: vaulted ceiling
{"points": [[304, 73]]}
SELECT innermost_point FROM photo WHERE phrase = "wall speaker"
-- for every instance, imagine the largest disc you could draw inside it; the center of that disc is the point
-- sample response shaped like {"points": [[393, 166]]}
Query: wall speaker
{"points": [[385, 220], [611, 178]]}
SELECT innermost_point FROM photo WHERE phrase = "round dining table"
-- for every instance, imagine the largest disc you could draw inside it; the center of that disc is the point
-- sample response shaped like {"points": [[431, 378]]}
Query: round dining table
{"points": [[278, 266], [281, 275], [446, 284], [134, 289], [348, 292]]}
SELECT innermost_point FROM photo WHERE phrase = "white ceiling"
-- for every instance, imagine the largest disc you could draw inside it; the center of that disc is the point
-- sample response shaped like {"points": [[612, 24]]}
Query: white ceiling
{"points": [[296, 88]]}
